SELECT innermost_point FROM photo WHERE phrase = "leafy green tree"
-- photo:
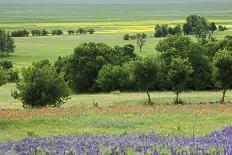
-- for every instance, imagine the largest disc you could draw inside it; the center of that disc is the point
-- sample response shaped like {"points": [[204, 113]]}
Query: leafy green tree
{"points": [[20, 33], [146, 73], [126, 37], [7, 44], [44, 32], [71, 32], [141, 39], [112, 78], [41, 86], [213, 26], [185, 48], [89, 58], [91, 31], [57, 32], [223, 71], [36, 33], [178, 75], [187, 28], [6, 64]]}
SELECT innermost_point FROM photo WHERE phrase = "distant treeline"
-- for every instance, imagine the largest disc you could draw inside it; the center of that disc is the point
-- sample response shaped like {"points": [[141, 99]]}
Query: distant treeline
{"points": [[44, 32], [195, 25]]}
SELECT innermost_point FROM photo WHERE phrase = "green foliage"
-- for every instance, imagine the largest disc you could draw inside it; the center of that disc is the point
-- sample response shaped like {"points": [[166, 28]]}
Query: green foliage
{"points": [[71, 32], [7, 44], [20, 33], [222, 28], [36, 33], [164, 30], [197, 25], [141, 40], [183, 47], [57, 32], [126, 37], [3, 77], [6, 64], [223, 71], [91, 31], [146, 73], [179, 74], [89, 58], [12, 75], [112, 78], [44, 32], [41, 86], [213, 26]]}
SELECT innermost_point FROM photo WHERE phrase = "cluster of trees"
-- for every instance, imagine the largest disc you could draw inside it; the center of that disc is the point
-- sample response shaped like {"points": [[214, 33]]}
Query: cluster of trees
{"points": [[195, 25], [139, 37], [81, 31], [164, 30], [44, 32], [182, 64]]}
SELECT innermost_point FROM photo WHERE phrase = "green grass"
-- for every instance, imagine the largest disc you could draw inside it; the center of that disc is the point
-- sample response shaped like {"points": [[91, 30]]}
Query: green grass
{"points": [[111, 123]]}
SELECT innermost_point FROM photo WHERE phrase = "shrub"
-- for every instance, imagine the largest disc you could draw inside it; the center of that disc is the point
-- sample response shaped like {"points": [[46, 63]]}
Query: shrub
{"points": [[20, 33], [126, 37], [57, 32], [7, 44], [71, 32], [44, 32], [112, 78], [41, 86], [164, 30], [6, 64], [36, 33], [91, 31], [12, 75], [222, 28]]}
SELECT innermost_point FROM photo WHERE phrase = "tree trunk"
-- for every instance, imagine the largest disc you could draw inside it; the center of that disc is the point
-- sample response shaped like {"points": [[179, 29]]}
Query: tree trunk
{"points": [[140, 48], [223, 96], [149, 98], [177, 97]]}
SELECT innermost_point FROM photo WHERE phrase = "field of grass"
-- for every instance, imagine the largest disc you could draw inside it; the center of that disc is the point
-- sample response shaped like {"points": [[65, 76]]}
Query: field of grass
{"points": [[119, 114]]}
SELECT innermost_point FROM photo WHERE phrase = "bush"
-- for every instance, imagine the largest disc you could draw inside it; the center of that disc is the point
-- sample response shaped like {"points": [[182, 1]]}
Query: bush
{"points": [[20, 33], [164, 30], [12, 75], [112, 78], [71, 32], [126, 37], [222, 28], [57, 32], [6, 43], [91, 31], [6, 64], [41, 86], [36, 33], [44, 32], [3, 77]]}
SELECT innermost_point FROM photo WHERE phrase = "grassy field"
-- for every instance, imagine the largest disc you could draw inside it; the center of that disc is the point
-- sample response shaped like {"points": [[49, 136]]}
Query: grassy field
{"points": [[122, 113]]}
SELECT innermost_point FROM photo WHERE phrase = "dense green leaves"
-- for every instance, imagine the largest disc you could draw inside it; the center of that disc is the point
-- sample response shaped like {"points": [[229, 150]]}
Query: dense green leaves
{"points": [[7, 45], [41, 86]]}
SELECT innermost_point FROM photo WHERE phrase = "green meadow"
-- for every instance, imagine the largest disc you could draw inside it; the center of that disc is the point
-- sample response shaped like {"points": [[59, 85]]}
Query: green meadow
{"points": [[111, 22]]}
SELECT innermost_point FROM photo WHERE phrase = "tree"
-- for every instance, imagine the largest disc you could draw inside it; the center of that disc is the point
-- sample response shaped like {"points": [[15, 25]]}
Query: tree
{"points": [[112, 78], [57, 32], [141, 40], [187, 28], [44, 32], [89, 58], [20, 33], [126, 37], [223, 71], [213, 27], [146, 73], [7, 44], [91, 31], [36, 33], [71, 32], [6, 64], [41, 86], [178, 75]]}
